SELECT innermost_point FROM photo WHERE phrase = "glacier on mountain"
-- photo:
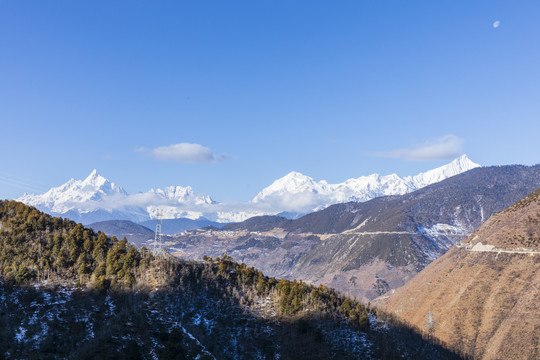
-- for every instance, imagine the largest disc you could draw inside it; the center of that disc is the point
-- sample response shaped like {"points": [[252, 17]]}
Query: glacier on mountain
{"points": [[96, 198]]}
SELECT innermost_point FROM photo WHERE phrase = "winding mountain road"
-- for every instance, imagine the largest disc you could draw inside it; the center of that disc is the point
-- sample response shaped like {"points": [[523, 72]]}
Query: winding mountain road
{"points": [[479, 247]]}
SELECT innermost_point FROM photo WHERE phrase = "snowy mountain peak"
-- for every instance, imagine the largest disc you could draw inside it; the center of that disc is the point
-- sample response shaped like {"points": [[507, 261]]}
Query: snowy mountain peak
{"points": [[180, 194], [294, 178], [94, 179], [292, 183], [174, 192], [295, 175], [75, 194], [464, 162], [99, 185], [457, 166]]}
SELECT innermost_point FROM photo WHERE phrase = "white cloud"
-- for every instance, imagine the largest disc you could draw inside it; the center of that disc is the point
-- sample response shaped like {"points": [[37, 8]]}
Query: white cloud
{"points": [[187, 153], [444, 148]]}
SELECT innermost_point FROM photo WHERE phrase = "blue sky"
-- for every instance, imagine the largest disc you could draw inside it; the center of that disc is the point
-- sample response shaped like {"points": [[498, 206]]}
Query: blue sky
{"points": [[228, 96]]}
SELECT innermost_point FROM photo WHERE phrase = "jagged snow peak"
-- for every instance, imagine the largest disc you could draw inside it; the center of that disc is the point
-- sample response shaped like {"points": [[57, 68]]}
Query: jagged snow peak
{"points": [[176, 199], [292, 183], [96, 198], [182, 195], [81, 193], [459, 165]]}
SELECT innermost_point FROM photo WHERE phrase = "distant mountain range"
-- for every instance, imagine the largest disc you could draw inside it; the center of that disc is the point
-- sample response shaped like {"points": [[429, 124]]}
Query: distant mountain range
{"points": [[134, 233], [368, 248], [96, 198], [142, 234]]}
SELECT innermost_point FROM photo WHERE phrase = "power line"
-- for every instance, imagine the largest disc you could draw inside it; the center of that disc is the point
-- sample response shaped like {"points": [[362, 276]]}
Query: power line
{"points": [[22, 184]]}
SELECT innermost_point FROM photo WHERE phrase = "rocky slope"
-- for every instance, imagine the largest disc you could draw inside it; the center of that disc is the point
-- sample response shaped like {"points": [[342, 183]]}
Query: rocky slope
{"points": [[484, 296], [513, 229], [366, 249]]}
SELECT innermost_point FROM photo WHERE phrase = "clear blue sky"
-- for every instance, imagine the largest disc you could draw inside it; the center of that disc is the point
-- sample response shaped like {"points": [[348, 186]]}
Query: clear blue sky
{"points": [[332, 89]]}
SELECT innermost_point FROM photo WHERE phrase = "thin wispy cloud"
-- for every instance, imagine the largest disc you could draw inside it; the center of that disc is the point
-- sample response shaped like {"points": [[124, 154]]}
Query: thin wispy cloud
{"points": [[186, 153], [151, 202], [17, 182], [444, 148]]}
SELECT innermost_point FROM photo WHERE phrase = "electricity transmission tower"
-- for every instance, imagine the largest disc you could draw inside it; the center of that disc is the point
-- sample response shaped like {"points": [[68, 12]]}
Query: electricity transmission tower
{"points": [[158, 239]]}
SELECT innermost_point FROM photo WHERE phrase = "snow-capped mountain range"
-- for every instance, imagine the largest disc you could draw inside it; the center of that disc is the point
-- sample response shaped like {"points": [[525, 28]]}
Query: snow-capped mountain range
{"points": [[298, 188], [96, 198]]}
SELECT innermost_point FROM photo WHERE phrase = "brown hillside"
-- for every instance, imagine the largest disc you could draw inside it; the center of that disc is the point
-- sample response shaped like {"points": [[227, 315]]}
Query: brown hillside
{"points": [[515, 228], [485, 303]]}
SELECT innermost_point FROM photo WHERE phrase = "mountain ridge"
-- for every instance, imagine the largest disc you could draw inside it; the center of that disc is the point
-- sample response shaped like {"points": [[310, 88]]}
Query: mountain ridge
{"points": [[483, 296], [98, 199], [359, 189]]}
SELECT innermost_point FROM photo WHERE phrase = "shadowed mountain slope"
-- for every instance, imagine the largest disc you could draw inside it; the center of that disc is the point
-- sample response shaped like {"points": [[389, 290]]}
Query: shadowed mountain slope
{"points": [[68, 292], [484, 296], [135, 233]]}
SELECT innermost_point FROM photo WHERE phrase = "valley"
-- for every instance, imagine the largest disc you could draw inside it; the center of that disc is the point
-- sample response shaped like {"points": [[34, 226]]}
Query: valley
{"points": [[450, 239], [367, 249]]}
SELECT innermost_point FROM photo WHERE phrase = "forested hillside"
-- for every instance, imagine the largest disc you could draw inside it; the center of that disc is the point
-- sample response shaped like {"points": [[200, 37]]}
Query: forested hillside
{"points": [[68, 292]]}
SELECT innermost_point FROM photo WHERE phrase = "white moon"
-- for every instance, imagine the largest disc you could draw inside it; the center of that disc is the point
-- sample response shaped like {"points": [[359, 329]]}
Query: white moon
{"points": [[496, 24]]}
